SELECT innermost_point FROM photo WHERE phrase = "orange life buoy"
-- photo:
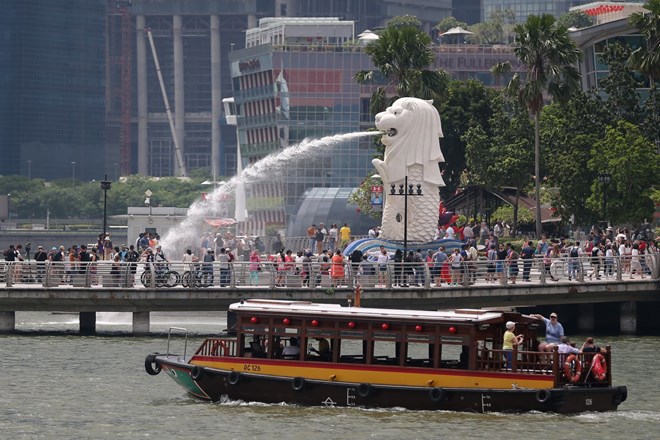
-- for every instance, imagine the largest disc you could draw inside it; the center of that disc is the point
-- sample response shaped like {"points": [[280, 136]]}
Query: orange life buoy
{"points": [[599, 367], [573, 368]]}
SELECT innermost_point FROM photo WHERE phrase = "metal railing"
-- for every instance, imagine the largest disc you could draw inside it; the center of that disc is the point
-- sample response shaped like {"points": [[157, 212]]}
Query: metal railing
{"points": [[275, 275]]}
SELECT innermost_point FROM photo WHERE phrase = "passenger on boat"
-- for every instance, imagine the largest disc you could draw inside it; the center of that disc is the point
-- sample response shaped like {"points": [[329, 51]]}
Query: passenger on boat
{"points": [[510, 340], [565, 347], [324, 348], [590, 347], [553, 332], [291, 351]]}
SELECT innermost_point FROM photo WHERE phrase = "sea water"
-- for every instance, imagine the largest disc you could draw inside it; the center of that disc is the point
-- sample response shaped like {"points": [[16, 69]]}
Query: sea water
{"points": [[55, 384]]}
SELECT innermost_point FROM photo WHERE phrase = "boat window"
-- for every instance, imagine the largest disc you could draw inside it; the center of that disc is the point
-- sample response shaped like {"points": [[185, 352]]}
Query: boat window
{"points": [[352, 349], [450, 355], [385, 352], [419, 354]]}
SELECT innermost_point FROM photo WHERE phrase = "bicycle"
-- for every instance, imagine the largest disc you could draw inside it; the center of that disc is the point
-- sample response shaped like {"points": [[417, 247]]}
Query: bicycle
{"points": [[163, 276], [198, 276]]}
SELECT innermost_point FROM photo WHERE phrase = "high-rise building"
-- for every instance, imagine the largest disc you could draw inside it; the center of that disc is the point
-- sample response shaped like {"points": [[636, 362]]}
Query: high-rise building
{"points": [[52, 107]]}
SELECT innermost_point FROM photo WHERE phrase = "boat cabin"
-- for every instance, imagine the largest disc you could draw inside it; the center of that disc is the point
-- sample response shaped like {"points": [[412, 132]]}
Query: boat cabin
{"points": [[305, 331]]}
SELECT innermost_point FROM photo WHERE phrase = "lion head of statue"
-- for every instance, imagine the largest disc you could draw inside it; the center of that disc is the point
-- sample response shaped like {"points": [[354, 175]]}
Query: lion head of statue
{"points": [[412, 130]]}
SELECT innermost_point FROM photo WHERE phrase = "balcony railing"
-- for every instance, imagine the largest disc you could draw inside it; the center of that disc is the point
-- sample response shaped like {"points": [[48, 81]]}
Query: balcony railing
{"points": [[315, 274]]}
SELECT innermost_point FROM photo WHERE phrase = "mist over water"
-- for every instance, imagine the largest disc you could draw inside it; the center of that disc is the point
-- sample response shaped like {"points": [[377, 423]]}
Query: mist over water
{"points": [[187, 233]]}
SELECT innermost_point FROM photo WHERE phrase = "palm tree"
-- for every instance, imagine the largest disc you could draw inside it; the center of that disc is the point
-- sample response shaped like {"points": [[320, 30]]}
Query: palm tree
{"points": [[550, 58], [402, 55], [647, 59]]}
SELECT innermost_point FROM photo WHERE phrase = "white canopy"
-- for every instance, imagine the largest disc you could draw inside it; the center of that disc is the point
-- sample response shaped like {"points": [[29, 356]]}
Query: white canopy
{"points": [[457, 31]]}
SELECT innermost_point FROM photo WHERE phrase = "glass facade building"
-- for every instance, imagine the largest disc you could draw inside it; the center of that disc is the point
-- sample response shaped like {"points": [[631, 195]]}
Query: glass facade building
{"points": [[52, 97]]}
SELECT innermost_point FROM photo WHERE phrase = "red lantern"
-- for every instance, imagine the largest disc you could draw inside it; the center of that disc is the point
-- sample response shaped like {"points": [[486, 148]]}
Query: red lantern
{"points": [[286, 321], [254, 320], [385, 326], [351, 324], [315, 323], [419, 328], [452, 329]]}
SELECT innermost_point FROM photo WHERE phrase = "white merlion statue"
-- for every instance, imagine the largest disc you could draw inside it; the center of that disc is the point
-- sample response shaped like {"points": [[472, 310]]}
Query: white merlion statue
{"points": [[412, 149]]}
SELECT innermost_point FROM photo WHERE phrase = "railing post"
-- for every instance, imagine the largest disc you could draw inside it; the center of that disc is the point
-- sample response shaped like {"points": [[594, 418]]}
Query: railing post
{"points": [[10, 274], [152, 274], [88, 275], [579, 273], [542, 274]]}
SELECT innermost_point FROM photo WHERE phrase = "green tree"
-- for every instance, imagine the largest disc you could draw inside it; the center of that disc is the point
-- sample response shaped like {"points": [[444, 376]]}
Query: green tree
{"points": [[466, 104], [575, 19], [632, 161], [550, 57], [646, 59], [448, 23], [500, 154], [496, 29], [620, 84], [402, 55], [569, 131], [403, 21]]}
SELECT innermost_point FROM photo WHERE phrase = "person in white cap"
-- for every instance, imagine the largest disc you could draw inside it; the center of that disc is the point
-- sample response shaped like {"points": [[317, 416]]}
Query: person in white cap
{"points": [[510, 340]]}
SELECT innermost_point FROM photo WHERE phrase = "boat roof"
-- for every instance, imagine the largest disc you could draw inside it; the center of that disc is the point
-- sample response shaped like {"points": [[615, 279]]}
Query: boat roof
{"points": [[306, 308]]}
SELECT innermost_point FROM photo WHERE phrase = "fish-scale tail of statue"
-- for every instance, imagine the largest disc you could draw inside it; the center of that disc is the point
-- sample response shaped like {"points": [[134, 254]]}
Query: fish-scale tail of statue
{"points": [[422, 210]]}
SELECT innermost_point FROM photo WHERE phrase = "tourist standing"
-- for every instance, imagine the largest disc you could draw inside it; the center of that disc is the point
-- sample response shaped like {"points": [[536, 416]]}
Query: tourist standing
{"points": [[333, 234], [337, 268], [345, 235], [255, 266], [527, 255]]}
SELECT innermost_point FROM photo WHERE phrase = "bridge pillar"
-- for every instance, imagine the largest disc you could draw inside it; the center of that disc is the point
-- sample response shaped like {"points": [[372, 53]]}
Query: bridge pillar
{"points": [[7, 322], [628, 318], [87, 323], [141, 323], [586, 318]]}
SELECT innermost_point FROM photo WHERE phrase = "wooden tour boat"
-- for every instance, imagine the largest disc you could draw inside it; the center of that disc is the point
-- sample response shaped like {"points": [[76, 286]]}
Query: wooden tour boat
{"points": [[325, 354]]}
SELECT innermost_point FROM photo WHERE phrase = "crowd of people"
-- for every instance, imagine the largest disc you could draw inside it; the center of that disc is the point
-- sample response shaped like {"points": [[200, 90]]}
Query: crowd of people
{"points": [[483, 254]]}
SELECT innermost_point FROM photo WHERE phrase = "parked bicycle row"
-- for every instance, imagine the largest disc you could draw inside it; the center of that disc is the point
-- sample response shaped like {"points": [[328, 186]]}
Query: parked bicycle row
{"points": [[313, 274]]}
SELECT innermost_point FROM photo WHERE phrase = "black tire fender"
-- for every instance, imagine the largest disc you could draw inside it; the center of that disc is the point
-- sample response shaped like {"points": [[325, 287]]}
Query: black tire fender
{"points": [[364, 390], [543, 396], [298, 383], [151, 365], [197, 373], [233, 378], [436, 394]]}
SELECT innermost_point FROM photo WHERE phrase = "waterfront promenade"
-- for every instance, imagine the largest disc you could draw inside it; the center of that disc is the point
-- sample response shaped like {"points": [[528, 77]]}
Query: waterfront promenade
{"points": [[101, 287]]}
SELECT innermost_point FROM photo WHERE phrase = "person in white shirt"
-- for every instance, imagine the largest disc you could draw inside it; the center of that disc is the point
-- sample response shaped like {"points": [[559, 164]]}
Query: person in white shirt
{"points": [[449, 233], [565, 347], [189, 258]]}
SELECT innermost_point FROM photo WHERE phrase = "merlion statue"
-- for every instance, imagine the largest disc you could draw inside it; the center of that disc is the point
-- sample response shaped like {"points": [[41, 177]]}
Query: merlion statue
{"points": [[412, 149]]}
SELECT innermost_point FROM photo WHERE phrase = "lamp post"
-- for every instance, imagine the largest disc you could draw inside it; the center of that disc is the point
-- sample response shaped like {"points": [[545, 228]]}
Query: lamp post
{"points": [[406, 190], [147, 201], [73, 174], [105, 186], [29, 164], [605, 178]]}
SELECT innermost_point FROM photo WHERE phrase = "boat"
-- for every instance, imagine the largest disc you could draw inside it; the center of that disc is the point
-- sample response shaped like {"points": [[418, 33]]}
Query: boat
{"points": [[315, 354]]}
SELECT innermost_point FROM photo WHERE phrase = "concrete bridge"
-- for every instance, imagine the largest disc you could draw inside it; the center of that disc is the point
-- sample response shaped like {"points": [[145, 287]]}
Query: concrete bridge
{"points": [[104, 288]]}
